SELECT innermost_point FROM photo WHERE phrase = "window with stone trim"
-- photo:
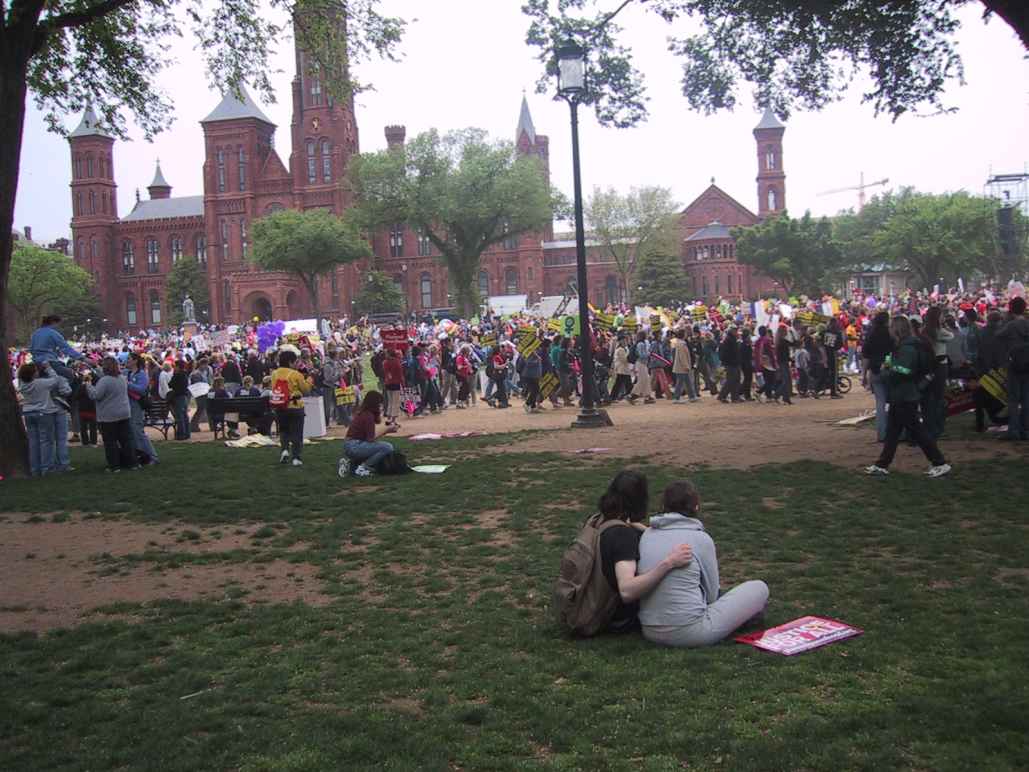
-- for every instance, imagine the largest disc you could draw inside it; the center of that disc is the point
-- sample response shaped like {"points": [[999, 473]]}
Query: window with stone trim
{"points": [[220, 162], [89, 166], [201, 249], [312, 169], [225, 239], [424, 244], [326, 161], [510, 241], [770, 157], [511, 281], [728, 283], [128, 257], [703, 284], [314, 79], [155, 307], [226, 297], [92, 249], [92, 202], [175, 247], [425, 285], [243, 241], [130, 309], [242, 166], [396, 240], [77, 209], [611, 289], [484, 284], [772, 199], [153, 255]]}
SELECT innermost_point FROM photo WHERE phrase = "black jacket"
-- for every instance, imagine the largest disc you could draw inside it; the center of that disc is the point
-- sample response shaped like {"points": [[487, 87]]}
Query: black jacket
{"points": [[729, 352]]}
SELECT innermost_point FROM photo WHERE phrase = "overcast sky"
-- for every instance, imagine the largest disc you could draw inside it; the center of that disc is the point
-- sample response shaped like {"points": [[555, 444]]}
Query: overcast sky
{"points": [[465, 63]]}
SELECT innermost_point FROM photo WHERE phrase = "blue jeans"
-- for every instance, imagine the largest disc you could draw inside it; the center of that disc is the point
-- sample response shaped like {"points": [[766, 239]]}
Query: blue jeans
{"points": [[1018, 406], [62, 460], [368, 454], [40, 429], [684, 381], [180, 405], [139, 437], [879, 389]]}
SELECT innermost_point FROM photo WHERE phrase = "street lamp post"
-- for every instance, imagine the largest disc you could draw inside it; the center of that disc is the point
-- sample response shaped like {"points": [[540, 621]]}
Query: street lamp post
{"points": [[571, 86]]}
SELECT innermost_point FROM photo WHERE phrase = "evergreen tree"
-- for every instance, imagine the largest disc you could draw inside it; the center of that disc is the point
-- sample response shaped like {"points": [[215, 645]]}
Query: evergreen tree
{"points": [[660, 277]]}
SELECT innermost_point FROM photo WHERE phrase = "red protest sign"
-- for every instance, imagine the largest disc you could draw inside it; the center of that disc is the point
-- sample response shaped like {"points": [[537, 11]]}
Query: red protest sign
{"points": [[394, 339], [800, 635]]}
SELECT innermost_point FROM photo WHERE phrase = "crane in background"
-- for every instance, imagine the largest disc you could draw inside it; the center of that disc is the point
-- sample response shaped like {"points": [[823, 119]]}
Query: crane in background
{"points": [[860, 188]]}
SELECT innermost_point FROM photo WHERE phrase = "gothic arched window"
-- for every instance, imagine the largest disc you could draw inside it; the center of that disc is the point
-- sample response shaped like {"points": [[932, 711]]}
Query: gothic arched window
{"points": [[769, 157], [226, 297], [242, 169], [220, 160], [425, 286], [326, 161], [128, 257], [153, 255], [201, 247], [155, 307], [175, 246], [511, 281], [611, 289], [92, 202], [772, 199], [130, 308], [312, 169], [484, 284]]}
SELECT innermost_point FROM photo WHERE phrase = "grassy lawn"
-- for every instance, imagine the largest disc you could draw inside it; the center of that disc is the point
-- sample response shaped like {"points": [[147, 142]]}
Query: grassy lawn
{"points": [[436, 650]]}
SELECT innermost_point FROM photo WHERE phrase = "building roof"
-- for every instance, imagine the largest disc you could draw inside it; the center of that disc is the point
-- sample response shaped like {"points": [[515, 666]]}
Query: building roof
{"points": [[232, 107], [713, 231], [88, 125], [164, 208], [525, 122], [769, 121], [159, 181]]}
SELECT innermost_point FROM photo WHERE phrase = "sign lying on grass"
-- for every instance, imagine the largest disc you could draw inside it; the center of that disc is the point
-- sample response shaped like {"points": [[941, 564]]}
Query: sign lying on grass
{"points": [[800, 635]]}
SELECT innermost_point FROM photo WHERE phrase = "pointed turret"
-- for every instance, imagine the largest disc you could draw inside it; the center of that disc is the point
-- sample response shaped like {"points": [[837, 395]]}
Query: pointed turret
{"points": [[232, 107], [525, 124], [159, 188], [769, 121], [88, 125], [771, 174]]}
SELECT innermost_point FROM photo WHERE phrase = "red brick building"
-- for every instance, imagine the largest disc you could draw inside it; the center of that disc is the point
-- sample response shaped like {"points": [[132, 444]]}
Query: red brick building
{"points": [[244, 178]]}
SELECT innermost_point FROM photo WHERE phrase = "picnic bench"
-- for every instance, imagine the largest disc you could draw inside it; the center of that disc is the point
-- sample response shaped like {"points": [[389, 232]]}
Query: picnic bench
{"points": [[253, 411], [158, 415]]}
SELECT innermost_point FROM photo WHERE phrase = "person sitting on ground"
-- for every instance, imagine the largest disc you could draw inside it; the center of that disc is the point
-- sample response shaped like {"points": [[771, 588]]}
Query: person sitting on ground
{"points": [[626, 499], [685, 608], [362, 444]]}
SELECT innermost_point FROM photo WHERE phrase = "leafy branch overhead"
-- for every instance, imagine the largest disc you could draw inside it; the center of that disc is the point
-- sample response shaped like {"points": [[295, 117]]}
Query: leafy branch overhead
{"points": [[795, 55], [109, 53]]}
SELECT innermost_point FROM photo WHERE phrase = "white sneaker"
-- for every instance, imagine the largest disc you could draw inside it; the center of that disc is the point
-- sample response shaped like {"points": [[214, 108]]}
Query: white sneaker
{"points": [[876, 471], [939, 471], [363, 471], [297, 462], [284, 457], [343, 467]]}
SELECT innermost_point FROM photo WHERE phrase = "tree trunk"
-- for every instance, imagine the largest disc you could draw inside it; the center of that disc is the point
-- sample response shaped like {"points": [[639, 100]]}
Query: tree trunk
{"points": [[464, 273], [13, 73], [312, 289]]}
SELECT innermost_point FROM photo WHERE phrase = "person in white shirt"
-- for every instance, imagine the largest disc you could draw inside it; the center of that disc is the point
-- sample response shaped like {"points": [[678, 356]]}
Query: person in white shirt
{"points": [[164, 381]]}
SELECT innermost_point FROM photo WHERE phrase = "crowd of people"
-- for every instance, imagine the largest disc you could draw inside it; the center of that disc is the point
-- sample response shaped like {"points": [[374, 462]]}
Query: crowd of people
{"points": [[905, 350]]}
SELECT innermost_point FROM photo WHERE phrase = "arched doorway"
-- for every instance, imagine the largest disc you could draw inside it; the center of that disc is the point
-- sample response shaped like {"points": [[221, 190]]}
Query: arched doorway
{"points": [[258, 304]]}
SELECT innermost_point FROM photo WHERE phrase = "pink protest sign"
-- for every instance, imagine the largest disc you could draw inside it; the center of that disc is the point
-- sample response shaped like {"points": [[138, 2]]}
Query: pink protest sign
{"points": [[800, 635]]}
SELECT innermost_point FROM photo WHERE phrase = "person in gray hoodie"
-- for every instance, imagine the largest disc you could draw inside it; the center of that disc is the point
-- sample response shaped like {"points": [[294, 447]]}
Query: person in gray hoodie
{"points": [[36, 384], [685, 609], [112, 413]]}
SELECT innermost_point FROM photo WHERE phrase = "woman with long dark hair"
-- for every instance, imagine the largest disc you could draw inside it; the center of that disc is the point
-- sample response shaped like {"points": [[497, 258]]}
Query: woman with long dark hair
{"points": [[362, 444], [626, 500], [877, 346]]}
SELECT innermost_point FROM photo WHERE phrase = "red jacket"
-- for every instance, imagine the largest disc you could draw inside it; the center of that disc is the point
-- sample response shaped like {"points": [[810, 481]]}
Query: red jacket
{"points": [[393, 372]]}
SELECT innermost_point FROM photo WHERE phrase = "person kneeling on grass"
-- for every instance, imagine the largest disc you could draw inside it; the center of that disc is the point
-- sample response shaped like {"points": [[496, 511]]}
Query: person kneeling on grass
{"points": [[362, 443], [685, 608]]}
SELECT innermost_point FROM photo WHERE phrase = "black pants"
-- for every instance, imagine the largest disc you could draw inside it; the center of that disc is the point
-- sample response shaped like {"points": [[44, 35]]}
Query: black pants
{"points": [[118, 447], [833, 375], [770, 382], [622, 387], [464, 391], [748, 382], [500, 390], [901, 416], [199, 415], [731, 387], [531, 391], [291, 430], [87, 429]]}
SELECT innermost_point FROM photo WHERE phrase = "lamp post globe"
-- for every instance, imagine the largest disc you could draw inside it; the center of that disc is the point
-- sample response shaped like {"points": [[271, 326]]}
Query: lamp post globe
{"points": [[571, 86]]}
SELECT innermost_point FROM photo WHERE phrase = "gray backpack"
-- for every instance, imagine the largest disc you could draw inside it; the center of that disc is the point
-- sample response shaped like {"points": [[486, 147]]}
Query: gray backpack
{"points": [[582, 601]]}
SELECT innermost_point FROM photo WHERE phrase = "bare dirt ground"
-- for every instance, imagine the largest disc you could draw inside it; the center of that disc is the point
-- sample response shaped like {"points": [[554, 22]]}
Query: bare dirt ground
{"points": [[57, 574]]}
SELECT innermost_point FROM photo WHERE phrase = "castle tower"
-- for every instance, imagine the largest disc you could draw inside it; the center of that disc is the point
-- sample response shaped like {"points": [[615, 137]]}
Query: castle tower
{"points": [[159, 188], [771, 179], [238, 138], [395, 136], [528, 142], [94, 196]]}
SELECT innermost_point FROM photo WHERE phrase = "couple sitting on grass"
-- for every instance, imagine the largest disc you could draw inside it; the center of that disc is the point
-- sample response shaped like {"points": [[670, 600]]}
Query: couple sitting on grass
{"points": [[666, 576]]}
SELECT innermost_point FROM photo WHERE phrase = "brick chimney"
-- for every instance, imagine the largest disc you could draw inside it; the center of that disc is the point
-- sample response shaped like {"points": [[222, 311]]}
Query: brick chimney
{"points": [[395, 136]]}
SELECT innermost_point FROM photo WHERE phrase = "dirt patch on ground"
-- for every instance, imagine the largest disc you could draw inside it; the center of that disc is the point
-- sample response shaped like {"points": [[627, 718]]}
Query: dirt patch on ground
{"points": [[706, 432], [52, 573]]}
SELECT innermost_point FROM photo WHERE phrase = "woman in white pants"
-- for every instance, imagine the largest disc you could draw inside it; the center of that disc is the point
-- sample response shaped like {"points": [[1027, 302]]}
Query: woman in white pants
{"points": [[685, 609]]}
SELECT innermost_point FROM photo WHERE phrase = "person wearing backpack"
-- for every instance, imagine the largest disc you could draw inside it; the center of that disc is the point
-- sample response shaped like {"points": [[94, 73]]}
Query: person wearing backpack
{"points": [[287, 400], [598, 589], [913, 361], [362, 444], [1014, 337]]}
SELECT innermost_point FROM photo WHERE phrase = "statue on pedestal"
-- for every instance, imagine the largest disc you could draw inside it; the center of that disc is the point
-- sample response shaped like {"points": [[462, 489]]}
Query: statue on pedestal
{"points": [[188, 310]]}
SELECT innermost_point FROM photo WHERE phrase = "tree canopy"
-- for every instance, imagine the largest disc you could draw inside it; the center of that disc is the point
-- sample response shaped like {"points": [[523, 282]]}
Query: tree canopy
{"points": [[624, 225], [799, 254], [795, 55], [308, 245], [378, 295], [661, 278], [43, 282], [464, 192]]}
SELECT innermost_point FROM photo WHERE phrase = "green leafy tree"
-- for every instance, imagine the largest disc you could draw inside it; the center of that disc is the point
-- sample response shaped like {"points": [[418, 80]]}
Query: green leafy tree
{"points": [[795, 54], [187, 278], [799, 254], [307, 245], [43, 282], [939, 236], [84, 317], [624, 225], [661, 279], [464, 192], [70, 53], [378, 295]]}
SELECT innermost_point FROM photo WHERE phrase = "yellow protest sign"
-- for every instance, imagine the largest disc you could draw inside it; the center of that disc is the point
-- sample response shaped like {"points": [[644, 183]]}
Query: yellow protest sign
{"points": [[554, 325], [548, 384], [345, 396], [528, 341]]}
